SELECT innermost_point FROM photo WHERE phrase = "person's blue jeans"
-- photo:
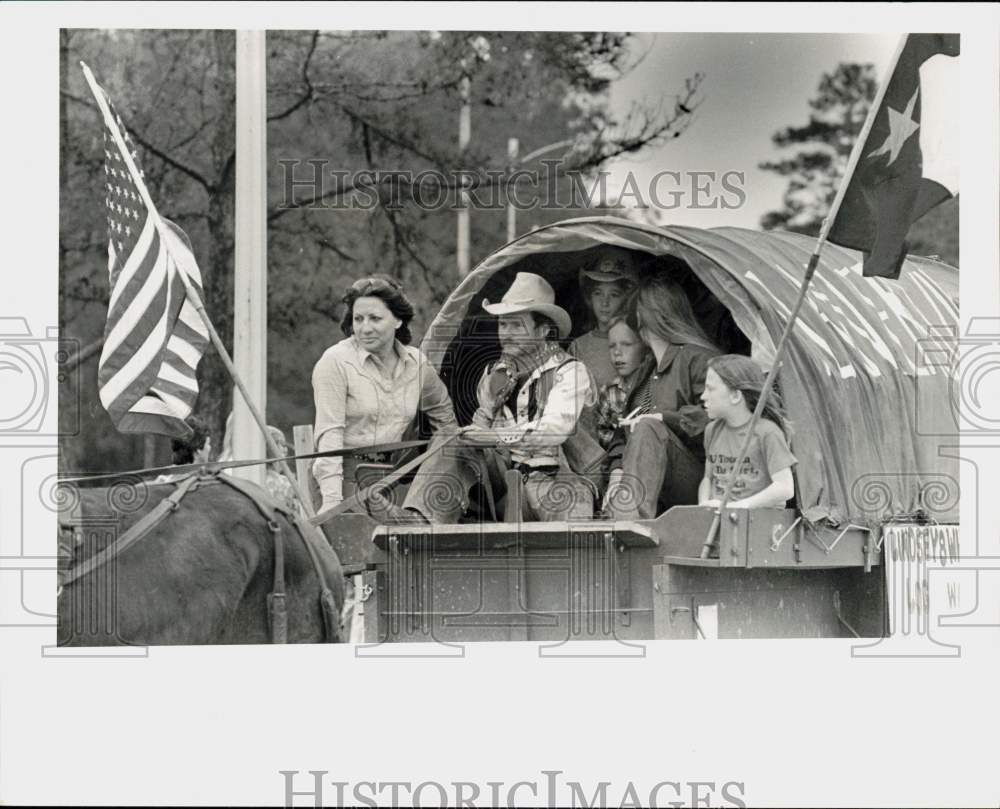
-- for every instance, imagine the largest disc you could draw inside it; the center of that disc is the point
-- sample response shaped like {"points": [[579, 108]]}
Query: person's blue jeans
{"points": [[440, 490], [659, 471]]}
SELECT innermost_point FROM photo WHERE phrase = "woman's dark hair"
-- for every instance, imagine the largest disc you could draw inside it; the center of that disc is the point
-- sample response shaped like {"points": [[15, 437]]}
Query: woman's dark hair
{"points": [[741, 373], [184, 449], [390, 292]]}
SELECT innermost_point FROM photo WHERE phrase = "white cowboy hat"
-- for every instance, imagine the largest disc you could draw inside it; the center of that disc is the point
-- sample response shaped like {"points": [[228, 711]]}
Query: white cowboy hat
{"points": [[531, 293]]}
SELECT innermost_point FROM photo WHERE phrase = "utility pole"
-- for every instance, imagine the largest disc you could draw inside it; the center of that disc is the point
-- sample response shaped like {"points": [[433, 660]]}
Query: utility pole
{"points": [[464, 137], [512, 147], [250, 281]]}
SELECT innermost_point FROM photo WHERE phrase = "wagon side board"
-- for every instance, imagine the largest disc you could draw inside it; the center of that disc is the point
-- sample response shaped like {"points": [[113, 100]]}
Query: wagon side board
{"points": [[593, 580]]}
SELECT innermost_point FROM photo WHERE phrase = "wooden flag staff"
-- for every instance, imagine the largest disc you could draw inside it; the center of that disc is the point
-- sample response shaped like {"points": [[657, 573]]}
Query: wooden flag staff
{"points": [[779, 352], [191, 292]]}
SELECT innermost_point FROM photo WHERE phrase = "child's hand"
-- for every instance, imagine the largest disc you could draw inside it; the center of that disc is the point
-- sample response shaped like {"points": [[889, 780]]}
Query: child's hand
{"points": [[629, 423], [711, 503]]}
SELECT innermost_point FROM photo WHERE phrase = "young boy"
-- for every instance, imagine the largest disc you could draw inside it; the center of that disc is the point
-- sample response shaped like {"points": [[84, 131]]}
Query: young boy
{"points": [[606, 285], [631, 360]]}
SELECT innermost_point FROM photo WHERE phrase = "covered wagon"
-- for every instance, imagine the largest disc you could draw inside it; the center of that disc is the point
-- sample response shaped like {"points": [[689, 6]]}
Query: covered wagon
{"points": [[869, 395]]}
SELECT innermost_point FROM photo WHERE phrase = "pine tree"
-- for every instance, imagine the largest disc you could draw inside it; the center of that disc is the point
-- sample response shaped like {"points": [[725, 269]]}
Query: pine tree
{"points": [[824, 144]]}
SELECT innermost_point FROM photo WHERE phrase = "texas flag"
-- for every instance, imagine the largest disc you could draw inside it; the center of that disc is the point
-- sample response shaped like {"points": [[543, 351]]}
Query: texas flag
{"points": [[909, 161]]}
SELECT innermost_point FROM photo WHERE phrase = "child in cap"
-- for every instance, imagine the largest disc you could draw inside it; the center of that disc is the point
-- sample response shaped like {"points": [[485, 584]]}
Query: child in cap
{"points": [[733, 386], [606, 285]]}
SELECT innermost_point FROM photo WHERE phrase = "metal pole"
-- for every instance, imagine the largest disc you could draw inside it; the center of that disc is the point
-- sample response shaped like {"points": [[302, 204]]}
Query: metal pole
{"points": [[464, 137], [512, 148], [250, 280]]}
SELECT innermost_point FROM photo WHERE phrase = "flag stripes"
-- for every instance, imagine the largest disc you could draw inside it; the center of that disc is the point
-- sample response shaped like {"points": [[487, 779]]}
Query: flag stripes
{"points": [[154, 337]]}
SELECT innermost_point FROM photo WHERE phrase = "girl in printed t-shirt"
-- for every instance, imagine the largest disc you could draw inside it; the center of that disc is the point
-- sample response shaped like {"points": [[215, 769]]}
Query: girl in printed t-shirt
{"points": [[764, 478]]}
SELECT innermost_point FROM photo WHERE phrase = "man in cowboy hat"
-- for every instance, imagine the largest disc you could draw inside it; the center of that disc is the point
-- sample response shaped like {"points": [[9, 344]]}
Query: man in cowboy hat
{"points": [[535, 415]]}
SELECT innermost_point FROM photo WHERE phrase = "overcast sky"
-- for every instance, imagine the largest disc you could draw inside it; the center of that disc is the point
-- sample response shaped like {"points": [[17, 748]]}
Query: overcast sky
{"points": [[754, 85]]}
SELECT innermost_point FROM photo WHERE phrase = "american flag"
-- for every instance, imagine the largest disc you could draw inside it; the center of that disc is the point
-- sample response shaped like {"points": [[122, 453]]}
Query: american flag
{"points": [[154, 336]]}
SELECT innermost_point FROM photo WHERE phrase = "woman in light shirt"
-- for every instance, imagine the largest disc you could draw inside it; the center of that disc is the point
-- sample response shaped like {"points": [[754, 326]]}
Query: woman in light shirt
{"points": [[369, 387]]}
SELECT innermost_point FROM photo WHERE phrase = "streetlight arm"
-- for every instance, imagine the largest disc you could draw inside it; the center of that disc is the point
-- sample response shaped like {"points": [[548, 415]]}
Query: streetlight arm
{"points": [[538, 152]]}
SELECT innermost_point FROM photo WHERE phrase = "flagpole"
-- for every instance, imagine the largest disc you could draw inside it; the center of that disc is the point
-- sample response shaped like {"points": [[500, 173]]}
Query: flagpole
{"points": [[191, 292], [855, 157], [852, 164]]}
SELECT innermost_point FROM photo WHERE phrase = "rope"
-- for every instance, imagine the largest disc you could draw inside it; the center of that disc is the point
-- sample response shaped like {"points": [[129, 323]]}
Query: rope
{"points": [[213, 467]]}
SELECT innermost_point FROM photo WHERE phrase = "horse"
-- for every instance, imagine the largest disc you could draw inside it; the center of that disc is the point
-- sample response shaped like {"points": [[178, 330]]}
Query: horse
{"points": [[206, 559]]}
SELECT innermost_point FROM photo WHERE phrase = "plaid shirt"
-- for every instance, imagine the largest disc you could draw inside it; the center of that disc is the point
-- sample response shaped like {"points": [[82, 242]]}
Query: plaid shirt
{"points": [[610, 408], [615, 398]]}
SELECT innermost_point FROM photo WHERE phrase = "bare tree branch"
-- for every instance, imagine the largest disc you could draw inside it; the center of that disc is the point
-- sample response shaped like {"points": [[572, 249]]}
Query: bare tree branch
{"points": [[152, 149], [308, 94]]}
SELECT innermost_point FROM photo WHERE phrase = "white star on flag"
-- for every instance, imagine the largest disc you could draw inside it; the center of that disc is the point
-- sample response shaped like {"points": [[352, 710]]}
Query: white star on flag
{"points": [[901, 127]]}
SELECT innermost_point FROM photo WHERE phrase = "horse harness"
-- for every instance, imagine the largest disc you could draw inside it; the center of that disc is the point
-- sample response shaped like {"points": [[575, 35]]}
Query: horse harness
{"points": [[276, 606]]}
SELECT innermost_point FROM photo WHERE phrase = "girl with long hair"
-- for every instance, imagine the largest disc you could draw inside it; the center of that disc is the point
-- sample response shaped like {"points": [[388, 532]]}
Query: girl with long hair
{"points": [[663, 455], [763, 477]]}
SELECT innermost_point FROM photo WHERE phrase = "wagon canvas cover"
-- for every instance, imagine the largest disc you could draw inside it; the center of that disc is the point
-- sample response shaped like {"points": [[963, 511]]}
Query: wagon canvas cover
{"points": [[866, 378]]}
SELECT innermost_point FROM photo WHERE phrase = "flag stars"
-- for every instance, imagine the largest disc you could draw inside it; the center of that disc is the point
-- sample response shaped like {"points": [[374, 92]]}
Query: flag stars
{"points": [[901, 126]]}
